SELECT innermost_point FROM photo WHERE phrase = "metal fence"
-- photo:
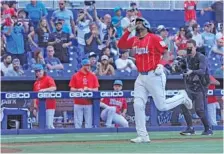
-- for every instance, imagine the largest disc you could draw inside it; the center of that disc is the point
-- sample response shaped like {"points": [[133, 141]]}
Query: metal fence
{"points": [[110, 4]]}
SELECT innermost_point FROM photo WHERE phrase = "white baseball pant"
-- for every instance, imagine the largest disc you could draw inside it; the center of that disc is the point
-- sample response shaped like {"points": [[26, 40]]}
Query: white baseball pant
{"points": [[212, 113], [109, 115], [79, 111], [155, 85], [50, 118]]}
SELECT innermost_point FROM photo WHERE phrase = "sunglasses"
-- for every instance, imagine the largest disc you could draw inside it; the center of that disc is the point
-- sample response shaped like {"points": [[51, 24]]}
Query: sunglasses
{"points": [[50, 50], [61, 3]]}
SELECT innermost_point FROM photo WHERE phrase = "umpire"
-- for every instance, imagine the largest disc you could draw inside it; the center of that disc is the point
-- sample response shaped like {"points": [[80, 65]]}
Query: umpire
{"points": [[196, 82]]}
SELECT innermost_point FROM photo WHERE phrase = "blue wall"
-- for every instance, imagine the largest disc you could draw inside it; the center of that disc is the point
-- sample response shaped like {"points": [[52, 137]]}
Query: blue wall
{"points": [[158, 17]]}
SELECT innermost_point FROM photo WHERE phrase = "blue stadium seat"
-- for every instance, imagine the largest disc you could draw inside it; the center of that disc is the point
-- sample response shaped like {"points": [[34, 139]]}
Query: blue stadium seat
{"points": [[29, 73], [121, 74]]}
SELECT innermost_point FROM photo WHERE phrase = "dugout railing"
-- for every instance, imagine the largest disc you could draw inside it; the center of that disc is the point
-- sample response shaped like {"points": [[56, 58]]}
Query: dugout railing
{"points": [[95, 96]]}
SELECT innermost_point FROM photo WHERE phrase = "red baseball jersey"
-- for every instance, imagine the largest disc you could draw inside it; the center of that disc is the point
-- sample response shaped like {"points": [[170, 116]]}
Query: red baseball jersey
{"points": [[9, 13], [81, 80], [148, 50], [45, 82], [212, 99], [119, 103], [189, 13]]}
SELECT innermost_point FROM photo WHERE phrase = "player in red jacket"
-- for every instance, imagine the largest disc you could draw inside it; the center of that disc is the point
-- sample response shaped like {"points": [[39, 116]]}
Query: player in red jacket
{"points": [[149, 49], [114, 108], [42, 84]]}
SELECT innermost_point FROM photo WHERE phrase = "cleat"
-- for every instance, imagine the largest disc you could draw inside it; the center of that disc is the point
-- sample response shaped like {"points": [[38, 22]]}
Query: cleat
{"points": [[208, 132], [189, 131], [141, 140]]}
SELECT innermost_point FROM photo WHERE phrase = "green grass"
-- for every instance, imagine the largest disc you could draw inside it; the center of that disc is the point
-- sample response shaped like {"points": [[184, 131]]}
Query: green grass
{"points": [[180, 145]]}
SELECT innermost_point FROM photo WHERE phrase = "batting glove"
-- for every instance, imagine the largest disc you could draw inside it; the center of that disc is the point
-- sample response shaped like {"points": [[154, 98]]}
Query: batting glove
{"points": [[159, 69]]}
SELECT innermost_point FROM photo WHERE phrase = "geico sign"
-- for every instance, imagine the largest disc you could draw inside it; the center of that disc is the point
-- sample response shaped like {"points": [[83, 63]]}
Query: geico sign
{"points": [[17, 95], [49, 95], [111, 94], [80, 94]]}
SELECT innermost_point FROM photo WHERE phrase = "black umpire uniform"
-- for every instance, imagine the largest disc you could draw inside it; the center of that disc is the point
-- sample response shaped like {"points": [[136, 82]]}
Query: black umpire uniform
{"points": [[196, 86]]}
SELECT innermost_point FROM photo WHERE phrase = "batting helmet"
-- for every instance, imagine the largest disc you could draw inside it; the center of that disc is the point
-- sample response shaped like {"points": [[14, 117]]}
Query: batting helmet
{"points": [[146, 24]]}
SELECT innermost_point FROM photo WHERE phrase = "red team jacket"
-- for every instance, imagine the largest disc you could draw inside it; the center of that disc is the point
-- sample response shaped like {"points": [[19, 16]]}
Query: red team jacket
{"points": [[119, 103], [81, 80], [148, 50], [189, 12], [45, 82]]}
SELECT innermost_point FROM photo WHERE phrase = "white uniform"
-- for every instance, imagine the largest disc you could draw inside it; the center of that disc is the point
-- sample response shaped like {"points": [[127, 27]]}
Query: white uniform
{"points": [[112, 113]]}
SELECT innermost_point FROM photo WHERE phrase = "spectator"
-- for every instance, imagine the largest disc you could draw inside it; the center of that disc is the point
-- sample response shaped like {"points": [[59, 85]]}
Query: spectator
{"points": [[220, 33], [218, 51], [217, 7], [6, 65], [38, 59], [13, 4], [181, 40], [52, 62], [212, 102], [109, 54], [83, 80], [45, 83], [82, 29], [207, 36], [65, 14], [212, 27], [103, 26], [16, 70], [136, 10], [110, 40], [7, 13], [124, 64], [116, 21], [92, 40], [126, 21], [94, 65], [114, 109], [43, 33], [190, 10], [105, 69], [164, 33], [15, 40], [197, 36], [36, 11], [60, 41]]}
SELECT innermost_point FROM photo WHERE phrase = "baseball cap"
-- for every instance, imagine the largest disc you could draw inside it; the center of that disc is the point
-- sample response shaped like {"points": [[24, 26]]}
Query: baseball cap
{"points": [[117, 9], [161, 28], [104, 57], [207, 23], [38, 67], [118, 82], [92, 54], [16, 61], [85, 62]]}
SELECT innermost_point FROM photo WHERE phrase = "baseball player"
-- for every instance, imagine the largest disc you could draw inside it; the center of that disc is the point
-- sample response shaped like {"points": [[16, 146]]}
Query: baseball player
{"points": [[149, 49], [113, 107], [83, 80], [42, 84]]}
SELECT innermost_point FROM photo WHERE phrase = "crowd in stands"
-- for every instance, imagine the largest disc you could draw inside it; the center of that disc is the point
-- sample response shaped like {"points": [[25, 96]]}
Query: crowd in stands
{"points": [[60, 44]]}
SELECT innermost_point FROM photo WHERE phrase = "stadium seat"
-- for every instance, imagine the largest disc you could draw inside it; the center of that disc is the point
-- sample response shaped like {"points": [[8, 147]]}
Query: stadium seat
{"points": [[29, 73]]}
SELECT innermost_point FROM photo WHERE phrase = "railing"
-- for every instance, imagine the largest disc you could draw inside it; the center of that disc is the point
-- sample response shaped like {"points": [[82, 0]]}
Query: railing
{"points": [[95, 96]]}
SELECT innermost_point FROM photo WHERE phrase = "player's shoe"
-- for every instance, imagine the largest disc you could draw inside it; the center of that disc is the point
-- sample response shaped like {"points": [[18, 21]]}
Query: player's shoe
{"points": [[189, 131], [207, 132], [188, 101], [140, 140]]}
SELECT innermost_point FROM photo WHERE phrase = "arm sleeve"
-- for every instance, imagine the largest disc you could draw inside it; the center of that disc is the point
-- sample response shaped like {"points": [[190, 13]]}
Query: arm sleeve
{"points": [[124, 42], [202, 66], [71, 15], [160, 45], [51, 82], [96, 82], [72, 82], [125, 106]]}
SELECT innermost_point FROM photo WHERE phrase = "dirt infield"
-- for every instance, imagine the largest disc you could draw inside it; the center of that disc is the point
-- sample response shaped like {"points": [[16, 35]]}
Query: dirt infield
{"points": [[10, 150]]}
